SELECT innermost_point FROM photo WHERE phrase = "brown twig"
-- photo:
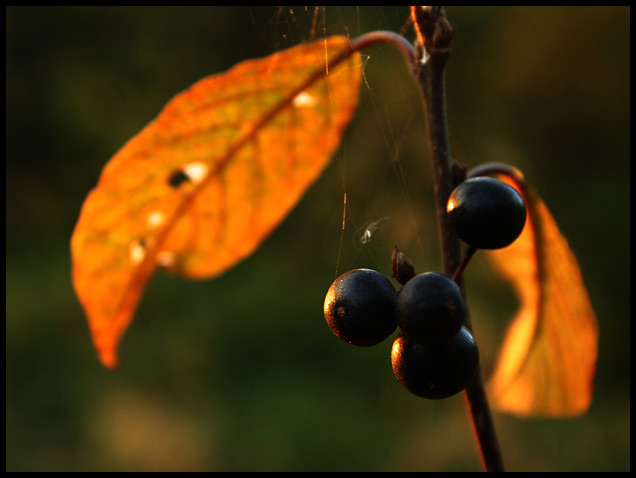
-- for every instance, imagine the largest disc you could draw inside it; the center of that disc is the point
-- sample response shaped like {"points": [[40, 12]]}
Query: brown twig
{"points": [[435, 35]]}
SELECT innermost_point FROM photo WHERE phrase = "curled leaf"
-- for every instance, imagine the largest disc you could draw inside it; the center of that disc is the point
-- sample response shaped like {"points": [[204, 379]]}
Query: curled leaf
{"points": [[201, 186], [548, 359]]}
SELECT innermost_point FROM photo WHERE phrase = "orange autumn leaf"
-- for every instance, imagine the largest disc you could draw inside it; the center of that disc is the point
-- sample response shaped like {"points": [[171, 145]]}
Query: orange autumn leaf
{"points": [[201, 186], [548, 359]]}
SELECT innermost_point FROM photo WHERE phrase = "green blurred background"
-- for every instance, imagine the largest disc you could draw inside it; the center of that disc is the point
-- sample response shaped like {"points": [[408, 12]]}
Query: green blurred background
{"points": [[241, 373]]}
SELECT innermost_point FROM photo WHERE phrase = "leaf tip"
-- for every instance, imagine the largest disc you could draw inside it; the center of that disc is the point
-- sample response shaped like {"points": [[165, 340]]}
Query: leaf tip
{"points": [[108, 358]]}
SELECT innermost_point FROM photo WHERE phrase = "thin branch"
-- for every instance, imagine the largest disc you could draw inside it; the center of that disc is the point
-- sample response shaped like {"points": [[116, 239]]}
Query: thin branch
{"points": [[435, 35]]}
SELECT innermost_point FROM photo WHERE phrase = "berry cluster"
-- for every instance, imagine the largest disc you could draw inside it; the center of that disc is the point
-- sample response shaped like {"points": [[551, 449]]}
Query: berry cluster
{"points": [[434, 355]]}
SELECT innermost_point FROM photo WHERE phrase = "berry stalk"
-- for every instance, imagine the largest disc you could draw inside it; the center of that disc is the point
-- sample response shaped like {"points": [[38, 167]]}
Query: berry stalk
{"points": [[468, 255], [435, 35]]}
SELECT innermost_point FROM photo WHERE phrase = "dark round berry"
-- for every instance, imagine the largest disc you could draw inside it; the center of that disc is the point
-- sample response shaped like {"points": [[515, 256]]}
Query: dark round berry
{"points": [[431, 309], [361, 307], [437, 371], [486, 213]]}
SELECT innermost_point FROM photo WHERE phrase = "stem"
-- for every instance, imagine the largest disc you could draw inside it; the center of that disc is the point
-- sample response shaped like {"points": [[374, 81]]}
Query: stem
{"points": [[500, 169], [385, 36], [435, 35], [494, 169], [468, 255]]}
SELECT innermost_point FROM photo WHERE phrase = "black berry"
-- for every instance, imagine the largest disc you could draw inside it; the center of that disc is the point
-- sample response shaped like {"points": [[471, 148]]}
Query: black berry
{"points": [[431, 309], [361, 307], [437, 371], [486, 213]]}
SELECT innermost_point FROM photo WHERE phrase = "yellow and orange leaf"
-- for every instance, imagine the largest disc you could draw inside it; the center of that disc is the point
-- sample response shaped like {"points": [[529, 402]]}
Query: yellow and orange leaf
{"points": [[548, 359], [201, 186]]}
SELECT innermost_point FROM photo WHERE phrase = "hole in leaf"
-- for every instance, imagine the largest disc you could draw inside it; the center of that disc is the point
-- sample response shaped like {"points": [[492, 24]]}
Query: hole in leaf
{"points": [[155, 219], [138, 251], [166, 258], [196, 172], [304, 99], [177, 178]]}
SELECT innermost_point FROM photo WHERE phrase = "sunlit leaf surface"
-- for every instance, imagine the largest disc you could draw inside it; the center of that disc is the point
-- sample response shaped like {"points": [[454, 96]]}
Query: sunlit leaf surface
{"points": [[548, 359], [201, 186]]}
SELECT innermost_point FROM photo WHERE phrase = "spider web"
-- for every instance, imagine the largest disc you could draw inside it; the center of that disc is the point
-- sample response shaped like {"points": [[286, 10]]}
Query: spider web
{"points": [[382, 197]]}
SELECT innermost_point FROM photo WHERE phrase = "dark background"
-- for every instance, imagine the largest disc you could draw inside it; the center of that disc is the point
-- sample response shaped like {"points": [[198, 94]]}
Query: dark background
{"points": [[241, 373]]}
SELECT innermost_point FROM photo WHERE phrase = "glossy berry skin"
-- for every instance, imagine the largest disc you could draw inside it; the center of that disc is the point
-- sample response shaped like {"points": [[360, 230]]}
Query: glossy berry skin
{"points": [[438, 371], [361, 307], [431, 309], [486, 213]]}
